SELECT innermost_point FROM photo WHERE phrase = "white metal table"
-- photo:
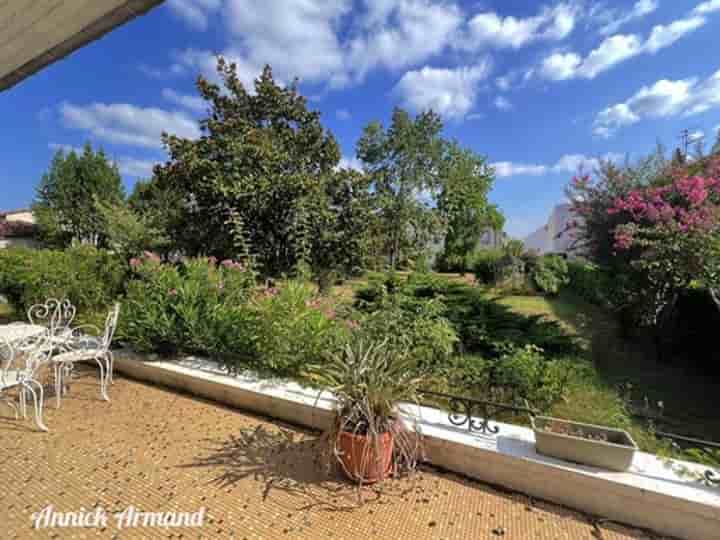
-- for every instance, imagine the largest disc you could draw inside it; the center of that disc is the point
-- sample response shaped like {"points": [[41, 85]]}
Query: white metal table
{"points": [[13, 333]]}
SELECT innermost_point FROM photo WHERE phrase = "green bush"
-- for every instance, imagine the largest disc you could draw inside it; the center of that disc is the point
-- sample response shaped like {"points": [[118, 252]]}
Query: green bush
{"points": [[90, 278], [294, 330], [549, 274], [487, 265], [518, 374], [195, 306], [590, 282], [412, 324]]}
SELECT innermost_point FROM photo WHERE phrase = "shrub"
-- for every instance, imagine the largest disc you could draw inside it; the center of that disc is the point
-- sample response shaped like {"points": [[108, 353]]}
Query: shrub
{"points": [[413, 324], [518, 374], [550, 273], [589, 281], [487, 265], [90, 278], [294, 329], [196, 306]]}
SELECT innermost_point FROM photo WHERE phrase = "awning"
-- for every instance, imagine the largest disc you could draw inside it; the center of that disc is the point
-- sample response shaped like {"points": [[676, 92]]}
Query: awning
{"points": [[36, 33]]}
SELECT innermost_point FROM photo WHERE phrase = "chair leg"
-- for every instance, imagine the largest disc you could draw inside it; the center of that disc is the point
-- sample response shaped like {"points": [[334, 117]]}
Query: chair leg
{"points": [[58, 384], [103, 380], [111, 364], [23, 402], [38, 402]]}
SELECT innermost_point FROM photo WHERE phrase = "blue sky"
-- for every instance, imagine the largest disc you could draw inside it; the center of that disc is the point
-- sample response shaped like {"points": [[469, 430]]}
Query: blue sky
{"points": [[537, 87]]}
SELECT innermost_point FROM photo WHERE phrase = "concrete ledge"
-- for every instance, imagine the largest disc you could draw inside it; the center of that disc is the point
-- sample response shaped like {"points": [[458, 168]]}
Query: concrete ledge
{"points": [[652, 495]]}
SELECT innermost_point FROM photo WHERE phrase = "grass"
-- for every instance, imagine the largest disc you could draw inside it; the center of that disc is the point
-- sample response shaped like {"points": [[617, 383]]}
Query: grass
{"points": [[690, 398], [6, 313]]}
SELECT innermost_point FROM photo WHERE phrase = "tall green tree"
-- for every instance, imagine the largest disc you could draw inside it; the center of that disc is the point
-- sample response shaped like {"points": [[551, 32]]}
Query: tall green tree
{"points": [[65, 205], [404, 162], [466, 180], [261, 180]]}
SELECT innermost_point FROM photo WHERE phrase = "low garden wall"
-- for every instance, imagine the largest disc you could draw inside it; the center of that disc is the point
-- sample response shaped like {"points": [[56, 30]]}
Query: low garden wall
{"points": [[653, 494]]}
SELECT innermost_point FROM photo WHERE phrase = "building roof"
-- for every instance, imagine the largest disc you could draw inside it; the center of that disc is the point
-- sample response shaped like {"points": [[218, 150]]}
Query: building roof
{"points": [[4, 213], [37, 33]]}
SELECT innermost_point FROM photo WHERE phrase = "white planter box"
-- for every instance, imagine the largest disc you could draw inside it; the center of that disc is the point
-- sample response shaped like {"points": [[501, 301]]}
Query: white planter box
{"points": [[609, 448]]}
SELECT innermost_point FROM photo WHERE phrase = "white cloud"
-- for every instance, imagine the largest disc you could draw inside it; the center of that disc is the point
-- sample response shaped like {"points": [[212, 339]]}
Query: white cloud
{"points": [[66, 148], [707, 7], [126, 124], [615, 49], [489, 29], [502, 103], [194, 12], [194, 103], [617, 19], [138, 168], [399, 33], [343, 114], [504, 82], [298, 38], [503, 169], [662, 99], [350, 163], [449, 92], [664, 36], [560, 66], [611, 51], [569, 163]]}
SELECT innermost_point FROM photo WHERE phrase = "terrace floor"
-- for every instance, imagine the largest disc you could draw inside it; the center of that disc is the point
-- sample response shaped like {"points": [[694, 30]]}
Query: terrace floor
{"points": [[258, 479]]}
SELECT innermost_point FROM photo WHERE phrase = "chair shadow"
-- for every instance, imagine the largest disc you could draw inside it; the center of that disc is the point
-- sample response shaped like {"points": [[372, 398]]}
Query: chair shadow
{"points": [[281, 460]]}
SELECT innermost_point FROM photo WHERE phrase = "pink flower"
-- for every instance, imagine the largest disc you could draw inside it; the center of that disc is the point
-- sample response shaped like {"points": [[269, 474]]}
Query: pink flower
{"points": [[172, 292]]}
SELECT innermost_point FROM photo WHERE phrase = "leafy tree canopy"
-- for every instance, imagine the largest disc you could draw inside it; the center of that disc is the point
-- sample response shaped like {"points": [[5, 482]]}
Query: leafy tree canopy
{"points": [[261, 180], [65, 208]]}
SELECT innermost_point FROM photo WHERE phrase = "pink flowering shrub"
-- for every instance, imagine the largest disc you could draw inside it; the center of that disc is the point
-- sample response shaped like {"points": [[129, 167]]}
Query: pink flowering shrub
{"points": [[658, 232]]}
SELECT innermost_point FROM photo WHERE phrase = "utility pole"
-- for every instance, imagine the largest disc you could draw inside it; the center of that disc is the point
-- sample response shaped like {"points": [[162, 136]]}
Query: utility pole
{"points": [[686, 139]]}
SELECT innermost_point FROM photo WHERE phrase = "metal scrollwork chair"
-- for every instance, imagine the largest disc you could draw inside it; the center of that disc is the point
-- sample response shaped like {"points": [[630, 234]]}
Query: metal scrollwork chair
{"points": [[79, 346], [19, 368], [56, 315]]}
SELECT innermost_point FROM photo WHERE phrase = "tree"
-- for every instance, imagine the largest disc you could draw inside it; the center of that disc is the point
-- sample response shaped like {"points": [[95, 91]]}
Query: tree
{"points": [[336, 231], [130, 233], [465, 180], [65, 208], [256, 179], [404, 163]]}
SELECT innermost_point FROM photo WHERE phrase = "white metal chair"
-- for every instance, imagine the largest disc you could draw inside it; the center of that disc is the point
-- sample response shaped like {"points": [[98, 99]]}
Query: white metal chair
{"points": [[79, 346], [56, 315], [19, 366]]}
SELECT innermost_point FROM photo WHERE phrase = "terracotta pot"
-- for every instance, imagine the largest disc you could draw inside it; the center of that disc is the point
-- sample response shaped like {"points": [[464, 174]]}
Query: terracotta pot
{"points": [[365, 458]]}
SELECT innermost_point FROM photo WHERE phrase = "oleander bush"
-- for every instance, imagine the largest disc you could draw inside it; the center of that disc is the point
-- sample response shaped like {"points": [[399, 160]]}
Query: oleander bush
{"points": [[196, 305], [90, 278]]}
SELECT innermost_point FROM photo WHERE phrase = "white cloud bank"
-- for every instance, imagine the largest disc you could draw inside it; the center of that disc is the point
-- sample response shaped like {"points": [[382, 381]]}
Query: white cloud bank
{"points": [[450, 92], [662, 99], [122, 123], [614, 49], [569, 163]]}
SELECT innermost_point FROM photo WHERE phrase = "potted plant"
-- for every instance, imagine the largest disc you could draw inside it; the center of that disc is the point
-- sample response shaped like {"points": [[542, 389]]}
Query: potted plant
{"points": [[367, 435], [587, 444]]}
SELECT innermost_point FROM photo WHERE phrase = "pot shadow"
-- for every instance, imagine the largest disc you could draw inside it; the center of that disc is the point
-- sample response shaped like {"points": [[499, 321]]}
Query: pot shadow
{"points": [[293, 463]]}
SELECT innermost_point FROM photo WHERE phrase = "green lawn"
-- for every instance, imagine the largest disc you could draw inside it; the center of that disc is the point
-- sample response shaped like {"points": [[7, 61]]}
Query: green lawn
{"points": [[5, 313], [691, 400]]}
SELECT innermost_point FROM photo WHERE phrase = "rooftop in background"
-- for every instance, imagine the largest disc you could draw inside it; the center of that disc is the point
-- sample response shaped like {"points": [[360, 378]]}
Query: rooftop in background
{"points": [[35, 34]]}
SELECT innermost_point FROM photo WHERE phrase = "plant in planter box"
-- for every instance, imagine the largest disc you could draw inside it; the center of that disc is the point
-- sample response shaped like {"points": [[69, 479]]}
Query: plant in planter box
{"points": [[369, 380]]}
